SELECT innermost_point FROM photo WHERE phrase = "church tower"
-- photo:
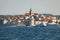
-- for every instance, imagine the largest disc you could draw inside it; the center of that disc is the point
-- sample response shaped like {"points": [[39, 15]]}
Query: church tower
{"points": [[32, 18], [30, 11]]}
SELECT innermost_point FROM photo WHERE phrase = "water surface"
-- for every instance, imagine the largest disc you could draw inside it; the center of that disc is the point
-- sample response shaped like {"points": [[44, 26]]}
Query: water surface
{"points": [[30, 33]]}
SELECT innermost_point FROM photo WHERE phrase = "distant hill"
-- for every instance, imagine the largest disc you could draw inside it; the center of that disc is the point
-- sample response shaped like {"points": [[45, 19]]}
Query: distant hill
{"points": [[48, 14], [51, 15], [57, 16]]}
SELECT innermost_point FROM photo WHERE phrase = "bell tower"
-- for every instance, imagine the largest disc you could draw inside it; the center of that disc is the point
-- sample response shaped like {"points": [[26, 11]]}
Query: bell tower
{"points": [[30, 11]]}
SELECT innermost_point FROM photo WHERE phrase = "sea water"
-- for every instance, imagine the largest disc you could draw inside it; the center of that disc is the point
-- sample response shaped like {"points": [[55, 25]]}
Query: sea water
{"points": [[30, 33]]}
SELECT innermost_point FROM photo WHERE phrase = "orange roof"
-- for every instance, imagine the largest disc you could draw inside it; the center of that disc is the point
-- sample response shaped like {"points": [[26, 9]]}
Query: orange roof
{"points": [[27, 14]]}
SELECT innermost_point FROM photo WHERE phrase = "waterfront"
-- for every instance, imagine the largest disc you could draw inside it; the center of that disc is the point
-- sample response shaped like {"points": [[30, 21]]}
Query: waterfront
{"points": [[29, 19], [30, 33]]}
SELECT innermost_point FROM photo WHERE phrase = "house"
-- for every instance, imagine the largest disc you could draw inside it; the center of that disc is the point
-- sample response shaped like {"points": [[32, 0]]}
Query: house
{"points": [[5, 21]]}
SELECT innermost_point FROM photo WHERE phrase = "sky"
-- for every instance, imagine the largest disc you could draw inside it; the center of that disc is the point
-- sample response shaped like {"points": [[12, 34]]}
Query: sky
{"points": [[17, 7]]}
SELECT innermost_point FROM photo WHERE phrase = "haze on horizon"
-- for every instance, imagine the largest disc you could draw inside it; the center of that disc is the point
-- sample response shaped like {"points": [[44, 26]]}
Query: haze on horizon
{"points": [[16, 7]]}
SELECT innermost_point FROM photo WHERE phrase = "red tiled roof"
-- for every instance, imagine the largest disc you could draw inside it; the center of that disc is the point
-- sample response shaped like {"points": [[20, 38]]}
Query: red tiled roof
{"points": [[27, 14]]}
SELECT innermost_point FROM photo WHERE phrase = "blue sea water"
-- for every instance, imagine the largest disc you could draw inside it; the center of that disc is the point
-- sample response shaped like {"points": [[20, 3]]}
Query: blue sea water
{"points": [[30, 33]]}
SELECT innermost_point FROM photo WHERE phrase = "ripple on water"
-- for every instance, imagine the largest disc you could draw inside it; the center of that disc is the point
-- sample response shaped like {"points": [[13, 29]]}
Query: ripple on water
{"points": [[26, 33]]}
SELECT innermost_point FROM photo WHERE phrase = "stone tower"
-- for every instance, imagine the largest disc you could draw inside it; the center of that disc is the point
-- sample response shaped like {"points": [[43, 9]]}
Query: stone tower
{"points": [[30, 11]]}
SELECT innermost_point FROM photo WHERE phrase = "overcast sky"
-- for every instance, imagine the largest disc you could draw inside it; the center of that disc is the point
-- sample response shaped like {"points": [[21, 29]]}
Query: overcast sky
{"points": [[13, 7]]}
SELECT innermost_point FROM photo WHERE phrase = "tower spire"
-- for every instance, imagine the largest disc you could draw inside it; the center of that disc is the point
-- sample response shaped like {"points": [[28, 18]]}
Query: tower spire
{"points": [[30, 11]]}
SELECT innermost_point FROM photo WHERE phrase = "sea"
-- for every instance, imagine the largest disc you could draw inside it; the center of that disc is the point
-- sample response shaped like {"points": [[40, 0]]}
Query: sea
{"points": [[30, 33]]}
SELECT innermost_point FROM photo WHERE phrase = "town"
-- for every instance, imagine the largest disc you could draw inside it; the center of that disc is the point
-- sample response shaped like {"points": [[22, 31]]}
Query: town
{"points": [[29, 19]]}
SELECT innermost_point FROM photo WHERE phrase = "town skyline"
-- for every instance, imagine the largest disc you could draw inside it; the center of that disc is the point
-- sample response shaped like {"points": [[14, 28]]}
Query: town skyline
{"points": [[29, 19]]}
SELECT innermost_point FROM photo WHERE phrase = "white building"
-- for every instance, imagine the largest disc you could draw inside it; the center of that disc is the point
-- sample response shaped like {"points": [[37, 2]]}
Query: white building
{"points": [[32, 21], [5, 21]]}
